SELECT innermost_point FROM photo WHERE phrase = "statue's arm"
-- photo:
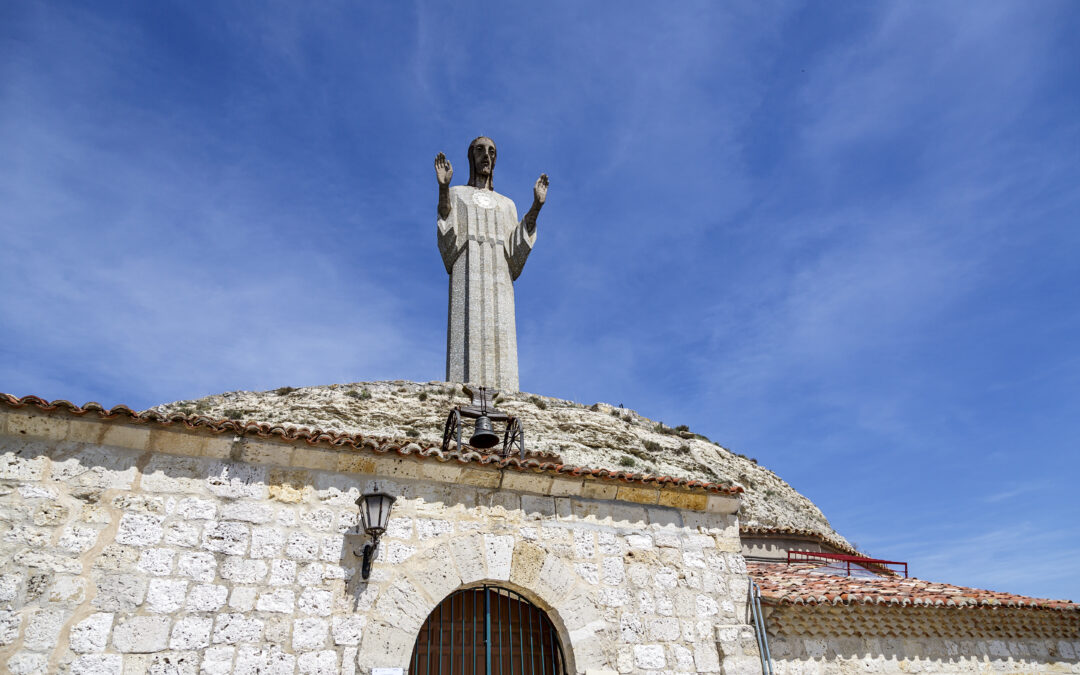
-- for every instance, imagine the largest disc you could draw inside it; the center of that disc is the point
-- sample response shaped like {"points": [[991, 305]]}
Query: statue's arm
{"points": [[539, 197], [444, 171]]}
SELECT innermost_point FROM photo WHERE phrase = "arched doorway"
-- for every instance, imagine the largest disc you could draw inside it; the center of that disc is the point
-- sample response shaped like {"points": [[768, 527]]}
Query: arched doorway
{"points": [[487, 630]]}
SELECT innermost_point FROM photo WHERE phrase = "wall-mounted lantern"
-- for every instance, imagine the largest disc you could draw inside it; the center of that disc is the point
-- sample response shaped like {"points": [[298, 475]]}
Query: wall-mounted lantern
{"points": [[374, 516]]}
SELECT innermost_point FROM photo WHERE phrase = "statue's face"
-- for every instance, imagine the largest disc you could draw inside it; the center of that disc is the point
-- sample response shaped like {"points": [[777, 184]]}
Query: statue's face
{"points": [[483, 156]]}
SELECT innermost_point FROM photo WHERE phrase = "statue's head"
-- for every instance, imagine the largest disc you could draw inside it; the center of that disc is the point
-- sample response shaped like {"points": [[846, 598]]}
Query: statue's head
{"points": [[482, 163]]}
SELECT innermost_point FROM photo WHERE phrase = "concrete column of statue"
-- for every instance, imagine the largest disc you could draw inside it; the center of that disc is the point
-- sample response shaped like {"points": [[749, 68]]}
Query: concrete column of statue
{"points": [[484, 247]]}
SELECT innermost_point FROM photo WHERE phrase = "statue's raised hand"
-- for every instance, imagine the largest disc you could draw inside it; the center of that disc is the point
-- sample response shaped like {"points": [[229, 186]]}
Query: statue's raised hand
{"points": [[540, 189], [443, 169]]}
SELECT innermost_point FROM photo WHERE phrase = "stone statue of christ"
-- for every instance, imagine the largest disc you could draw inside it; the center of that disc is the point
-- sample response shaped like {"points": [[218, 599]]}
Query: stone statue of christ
{"points": [[484, 247]]}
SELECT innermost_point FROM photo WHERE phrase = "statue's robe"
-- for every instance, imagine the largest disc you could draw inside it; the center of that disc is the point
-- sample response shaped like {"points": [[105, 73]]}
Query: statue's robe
{"points": [[484, 247]]}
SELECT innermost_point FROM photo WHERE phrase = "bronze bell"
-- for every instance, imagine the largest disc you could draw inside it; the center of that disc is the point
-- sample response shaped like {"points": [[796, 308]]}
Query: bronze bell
{"points": [[483, 437]]}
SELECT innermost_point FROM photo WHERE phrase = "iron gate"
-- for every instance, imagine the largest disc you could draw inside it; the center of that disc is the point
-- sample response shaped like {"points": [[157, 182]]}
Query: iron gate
{"points": [[487, 630]]}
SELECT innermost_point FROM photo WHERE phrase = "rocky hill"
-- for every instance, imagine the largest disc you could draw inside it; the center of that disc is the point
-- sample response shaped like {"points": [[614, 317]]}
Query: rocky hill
{"points": [[596, 436]]}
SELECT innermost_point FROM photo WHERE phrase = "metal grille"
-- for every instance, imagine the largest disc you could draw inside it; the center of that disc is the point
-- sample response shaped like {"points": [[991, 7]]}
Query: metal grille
{"points": [[488, 630]]}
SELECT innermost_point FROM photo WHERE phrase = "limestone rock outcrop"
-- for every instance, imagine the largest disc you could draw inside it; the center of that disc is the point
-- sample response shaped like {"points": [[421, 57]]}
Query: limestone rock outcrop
{"points": [[599, 436]]}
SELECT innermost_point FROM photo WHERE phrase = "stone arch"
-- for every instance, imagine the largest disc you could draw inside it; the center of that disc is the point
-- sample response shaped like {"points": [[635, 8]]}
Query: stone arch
{"points": [[542, 577], [511, 593]]}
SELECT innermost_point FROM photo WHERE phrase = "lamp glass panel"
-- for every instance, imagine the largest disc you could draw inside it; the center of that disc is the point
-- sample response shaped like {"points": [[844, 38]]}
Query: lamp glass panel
{"points": [[375, 512]]}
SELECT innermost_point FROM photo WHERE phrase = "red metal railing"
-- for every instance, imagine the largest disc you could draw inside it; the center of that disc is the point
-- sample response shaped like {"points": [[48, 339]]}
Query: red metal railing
{"points": [[813, 556]]}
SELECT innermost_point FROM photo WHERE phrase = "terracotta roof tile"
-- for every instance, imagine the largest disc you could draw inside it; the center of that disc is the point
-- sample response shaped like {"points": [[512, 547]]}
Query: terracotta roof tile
{"points": [[799, 584], [379, 445]]}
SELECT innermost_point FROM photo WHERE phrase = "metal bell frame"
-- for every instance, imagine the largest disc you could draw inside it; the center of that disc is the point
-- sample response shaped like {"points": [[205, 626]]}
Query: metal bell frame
{"points": [[483, 406]]}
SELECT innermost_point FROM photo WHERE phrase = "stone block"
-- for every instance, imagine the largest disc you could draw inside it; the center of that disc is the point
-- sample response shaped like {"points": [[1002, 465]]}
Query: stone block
{"points": [[468, 554], [310, 458], [93, 467], [612, 571], [637, 495], [399, 528], [706, 659], [237, 628], [220, 447], [249, 512], [9, 626], [403, 606], [289, 487], [37, 426], [141, 634], [264, 661], [182, 533], [498, 553], [281, 600], [533, 506], [323, 662], [482, 478], [315, 602], [123, 435], [631, 628], [191, 632], [243, 571], [176, 442], [156, 561], [237, 480], [347, 630], [584, 544], [309, 633], [567, 487], [166, 596], [302, 547], [393, 643], [427, 528], [595, 489], [441, 472], [23, 461], [97, 664], [266, 541], [242, 598], [43, 629], [229, 538], [197, 565], [649, 657], [555, 579], [527, 562], [433, 571], [266, 452], [25, 663], [722, 504], [527, 481], [218, 661], [354, 462], [282, 572], [119, 592], [67, 591], [175, 474], [85, 431], [207, 598]]}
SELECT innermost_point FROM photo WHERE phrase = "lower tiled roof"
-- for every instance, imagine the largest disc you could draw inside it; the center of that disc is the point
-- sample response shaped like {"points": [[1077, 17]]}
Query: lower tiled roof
{"points": [[799, 584], [378, 445]]}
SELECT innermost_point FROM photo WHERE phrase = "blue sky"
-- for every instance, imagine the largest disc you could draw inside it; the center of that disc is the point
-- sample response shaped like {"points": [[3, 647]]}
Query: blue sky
{"points": [[841, 238]]}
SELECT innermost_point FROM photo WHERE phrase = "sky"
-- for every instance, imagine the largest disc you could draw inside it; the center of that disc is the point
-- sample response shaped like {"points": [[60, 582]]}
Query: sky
{"points": [[841, 238]]}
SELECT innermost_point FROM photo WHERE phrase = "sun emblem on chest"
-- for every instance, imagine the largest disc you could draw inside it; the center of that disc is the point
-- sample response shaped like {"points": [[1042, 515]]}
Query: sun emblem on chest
{"points": [[483, 200]]}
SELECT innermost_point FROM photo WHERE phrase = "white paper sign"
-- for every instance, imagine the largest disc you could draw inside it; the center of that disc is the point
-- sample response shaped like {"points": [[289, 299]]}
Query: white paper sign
{"points": [[387, 671]]}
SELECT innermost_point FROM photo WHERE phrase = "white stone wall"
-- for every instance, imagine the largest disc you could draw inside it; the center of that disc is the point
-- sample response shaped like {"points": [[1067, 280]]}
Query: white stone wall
{"points": [[118, 556], [841, 656]]}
